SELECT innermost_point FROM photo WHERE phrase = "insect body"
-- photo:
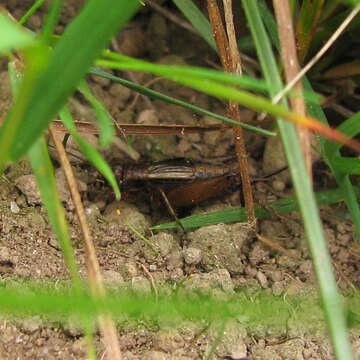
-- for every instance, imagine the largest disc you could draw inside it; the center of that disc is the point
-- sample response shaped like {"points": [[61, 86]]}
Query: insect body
{"points": [[184, 181]]}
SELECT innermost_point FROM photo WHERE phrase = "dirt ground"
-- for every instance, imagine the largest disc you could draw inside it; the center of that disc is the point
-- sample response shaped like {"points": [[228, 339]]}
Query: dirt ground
{"points": [[219, 259]]}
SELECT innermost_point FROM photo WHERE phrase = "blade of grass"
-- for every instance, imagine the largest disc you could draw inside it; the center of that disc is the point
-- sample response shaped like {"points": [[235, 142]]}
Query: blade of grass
{"points": [[44, 172], [160, 96], [330, 151], [15, 38], [282, 206], [309, 16], [243, 81], [197, 19], [336, 163], [104, 119], [95, 279], [94, 157], [33, 113], [219, 90], [306, 200], [31, 11], [268, 310], [51, 20]]}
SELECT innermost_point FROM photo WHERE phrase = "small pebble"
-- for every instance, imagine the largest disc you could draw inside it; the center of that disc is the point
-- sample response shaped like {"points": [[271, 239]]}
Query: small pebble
{"points": [[277, 288], [262, 279], [14, 208], [192, 256], [152, 267], [278, 185]]}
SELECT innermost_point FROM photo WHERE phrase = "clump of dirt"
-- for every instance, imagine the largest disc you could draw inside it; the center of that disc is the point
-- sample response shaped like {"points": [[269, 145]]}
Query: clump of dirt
{"points": [[220, 261]]}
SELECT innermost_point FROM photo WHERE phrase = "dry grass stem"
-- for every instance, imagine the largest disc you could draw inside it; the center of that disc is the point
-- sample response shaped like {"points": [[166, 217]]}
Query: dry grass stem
{"points": [[290, 61], [231, 62], [107, 326]]}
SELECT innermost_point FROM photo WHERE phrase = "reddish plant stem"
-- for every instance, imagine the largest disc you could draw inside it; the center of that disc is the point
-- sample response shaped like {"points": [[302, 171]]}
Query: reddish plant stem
{"points": [[231, 62]]}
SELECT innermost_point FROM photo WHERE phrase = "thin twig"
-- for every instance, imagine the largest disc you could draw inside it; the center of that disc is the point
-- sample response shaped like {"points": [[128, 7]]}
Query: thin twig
{"points": [[290, 61], [147, 272], [95, 279]]}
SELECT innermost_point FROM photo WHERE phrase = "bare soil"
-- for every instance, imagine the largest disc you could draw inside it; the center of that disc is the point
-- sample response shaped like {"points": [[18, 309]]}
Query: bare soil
{"points": [[219, 259]]}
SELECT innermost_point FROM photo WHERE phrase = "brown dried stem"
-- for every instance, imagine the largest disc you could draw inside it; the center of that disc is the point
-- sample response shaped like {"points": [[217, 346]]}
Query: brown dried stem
{"points": [[139, 129], [231, 62], [107, 326], [290, 60]]}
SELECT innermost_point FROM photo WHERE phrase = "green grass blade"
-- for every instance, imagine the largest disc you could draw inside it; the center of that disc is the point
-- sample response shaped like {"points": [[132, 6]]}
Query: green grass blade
{"points": [[13, 37], [306, 200], [350, 127], [94, 157], [37, 57], [160, 96], [330, 151], [281, 206], [31, 11], [63, 73], [104, 119], [268, 310], [44, 172], [269, 22], [51, 20], [198, 20], [210, 87], [243, 81], [309, 16], [347, 165]]}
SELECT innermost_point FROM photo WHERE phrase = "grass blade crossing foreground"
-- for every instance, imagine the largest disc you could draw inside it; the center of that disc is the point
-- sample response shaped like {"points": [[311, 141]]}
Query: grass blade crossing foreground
{"points": [[198, 80], [65, 70], [281, 206], [44, 172], [156, 95], [321, 258], [250, 309]]}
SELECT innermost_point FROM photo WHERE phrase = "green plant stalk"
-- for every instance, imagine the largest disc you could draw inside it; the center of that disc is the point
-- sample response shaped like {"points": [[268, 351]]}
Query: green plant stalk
{"points": [[198, 20], [219, 90], [309, 16], [43, 170], [9, 129], [142, 237], [92, 154], [59, 78], [243, 81], [103, 117], [51, 20], [342, 167], [302, 184], [154, 94], [31, 11], [267, 310], [281, 206], [210, 87], [44, 173]]}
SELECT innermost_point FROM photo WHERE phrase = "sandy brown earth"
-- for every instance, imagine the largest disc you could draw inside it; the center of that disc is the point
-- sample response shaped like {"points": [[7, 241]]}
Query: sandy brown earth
{"points": [[219, 260]]}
